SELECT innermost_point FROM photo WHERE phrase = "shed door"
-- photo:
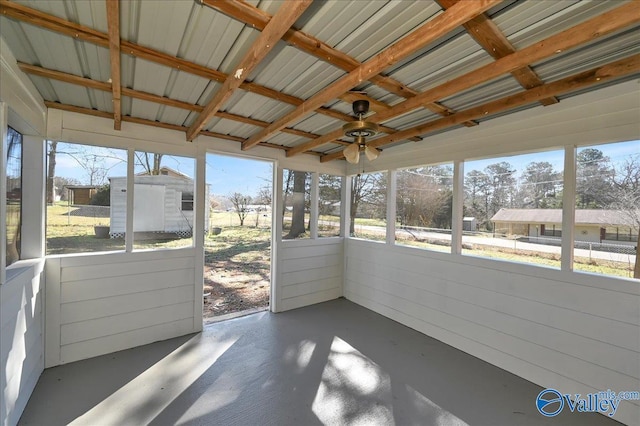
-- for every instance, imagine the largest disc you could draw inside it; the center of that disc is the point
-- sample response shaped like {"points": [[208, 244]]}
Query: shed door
{"points": [[148, 208]]}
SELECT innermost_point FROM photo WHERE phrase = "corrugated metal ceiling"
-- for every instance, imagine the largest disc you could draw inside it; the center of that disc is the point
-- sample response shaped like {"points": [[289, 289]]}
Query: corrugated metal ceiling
{"points": [[361, 29]]}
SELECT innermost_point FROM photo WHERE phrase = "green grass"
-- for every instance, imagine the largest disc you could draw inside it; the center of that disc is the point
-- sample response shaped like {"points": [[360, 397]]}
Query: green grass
{"points": [[68, 234], [597, 266], [75, 234]]}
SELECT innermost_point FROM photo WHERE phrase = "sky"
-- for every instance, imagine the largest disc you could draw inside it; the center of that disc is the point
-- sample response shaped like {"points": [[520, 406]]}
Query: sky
{"points": [[224, 174], [227, 174], [617, 153]]}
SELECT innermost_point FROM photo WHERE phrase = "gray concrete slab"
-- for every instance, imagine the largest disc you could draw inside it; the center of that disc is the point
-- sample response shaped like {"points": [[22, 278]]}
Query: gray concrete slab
{"points": [[332, 363]]}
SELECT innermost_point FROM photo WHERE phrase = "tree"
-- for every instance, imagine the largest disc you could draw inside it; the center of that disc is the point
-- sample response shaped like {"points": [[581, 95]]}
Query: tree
{"points": [[593, 180], [150, 162], [102, 197], [477, 190], [626, 193], [539, 184], [424, 196], [262, 200], [330, 193], [240, 203], [298, 205], [502, 184], [52, 147], [368, 197], [95, 168]]}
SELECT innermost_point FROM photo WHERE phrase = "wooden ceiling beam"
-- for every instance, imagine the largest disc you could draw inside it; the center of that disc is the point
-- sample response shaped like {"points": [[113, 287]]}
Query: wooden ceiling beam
{"points": [[113, 25], [149, 97], [598, 75], [286, 16], [257, 18], [146, 122], [487, 34], [592, 29], [427, 33], [34, 17]]}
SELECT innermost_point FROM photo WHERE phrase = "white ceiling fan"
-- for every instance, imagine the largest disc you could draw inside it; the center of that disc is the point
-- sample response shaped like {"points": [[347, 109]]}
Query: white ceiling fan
{"points": [[360, 130]]}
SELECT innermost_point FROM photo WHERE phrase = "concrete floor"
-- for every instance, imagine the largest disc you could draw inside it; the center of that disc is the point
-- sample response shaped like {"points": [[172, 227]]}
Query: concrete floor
{"points": [[332, 363]]}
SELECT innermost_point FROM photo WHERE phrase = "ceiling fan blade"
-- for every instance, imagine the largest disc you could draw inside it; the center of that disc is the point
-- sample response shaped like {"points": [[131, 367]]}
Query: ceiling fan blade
{"points": [[352, 153], [371, 153]]}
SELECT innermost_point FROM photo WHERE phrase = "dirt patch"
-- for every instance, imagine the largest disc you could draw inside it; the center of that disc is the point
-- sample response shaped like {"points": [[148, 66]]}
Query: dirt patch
{"points": [[237, 271]]}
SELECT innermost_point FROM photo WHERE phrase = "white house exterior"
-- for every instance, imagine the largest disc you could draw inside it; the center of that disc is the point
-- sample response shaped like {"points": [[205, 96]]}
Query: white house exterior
{"points": [[162, 204]]}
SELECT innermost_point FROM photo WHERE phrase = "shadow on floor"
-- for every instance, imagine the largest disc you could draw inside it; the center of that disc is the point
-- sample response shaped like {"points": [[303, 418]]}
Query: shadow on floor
{"points": [[332, 363]]}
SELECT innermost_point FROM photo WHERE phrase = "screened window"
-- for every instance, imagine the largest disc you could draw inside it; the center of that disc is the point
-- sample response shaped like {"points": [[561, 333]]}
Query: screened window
{"points": [[368, 218], [162, 200], [84, 213], [329, 204], [14, 196], [424, 197], [608, 209], [513, 208], [297, 202]]}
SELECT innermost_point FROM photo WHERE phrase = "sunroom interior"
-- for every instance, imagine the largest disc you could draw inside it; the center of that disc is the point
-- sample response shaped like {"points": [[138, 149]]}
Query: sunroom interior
{"points": [[448, 83]]}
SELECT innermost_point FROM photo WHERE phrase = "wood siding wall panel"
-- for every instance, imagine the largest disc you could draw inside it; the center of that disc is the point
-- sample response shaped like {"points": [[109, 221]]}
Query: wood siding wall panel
{"points": [[310, 271], [311, 299], [115, 301], [579, 334], [92, 272], [117, 305], [580, 347], [75, 291], [21, 339], [116, 324], [130, 339]]}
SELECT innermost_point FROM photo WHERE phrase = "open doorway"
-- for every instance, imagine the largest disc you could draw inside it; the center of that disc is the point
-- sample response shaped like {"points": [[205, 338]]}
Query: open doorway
{"points": [[237, 263]]}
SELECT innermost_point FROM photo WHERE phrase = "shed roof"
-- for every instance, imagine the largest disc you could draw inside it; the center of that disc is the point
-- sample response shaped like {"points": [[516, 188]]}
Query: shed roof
{"points": [[174, 65], [583, 217]]}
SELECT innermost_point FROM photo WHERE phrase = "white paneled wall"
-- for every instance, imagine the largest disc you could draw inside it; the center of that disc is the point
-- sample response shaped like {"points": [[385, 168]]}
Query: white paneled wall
{"points": [[577, 333], [103, 303], [21, 337], [309, 271]]}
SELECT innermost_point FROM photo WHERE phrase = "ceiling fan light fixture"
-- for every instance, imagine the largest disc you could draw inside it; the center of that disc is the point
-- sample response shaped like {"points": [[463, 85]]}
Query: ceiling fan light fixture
{"points": [[360, 130], [371, 153], [352, 153]]}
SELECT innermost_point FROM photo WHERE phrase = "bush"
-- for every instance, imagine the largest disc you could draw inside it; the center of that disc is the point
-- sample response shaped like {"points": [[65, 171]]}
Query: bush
{"points": [[102, 197]]}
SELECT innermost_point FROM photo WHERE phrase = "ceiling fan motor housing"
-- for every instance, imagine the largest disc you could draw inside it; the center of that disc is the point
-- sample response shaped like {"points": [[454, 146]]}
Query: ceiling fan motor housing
{"points": [[360, 108]]}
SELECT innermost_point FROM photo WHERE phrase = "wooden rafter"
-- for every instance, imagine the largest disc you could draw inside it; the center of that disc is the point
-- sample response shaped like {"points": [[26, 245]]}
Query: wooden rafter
{"points": [[614, 20], [113, 24], [288, 13], [257, 18], [487, 34], [432, 30], [150, 97], [144, 121], [599, 75], [80, 32]]}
